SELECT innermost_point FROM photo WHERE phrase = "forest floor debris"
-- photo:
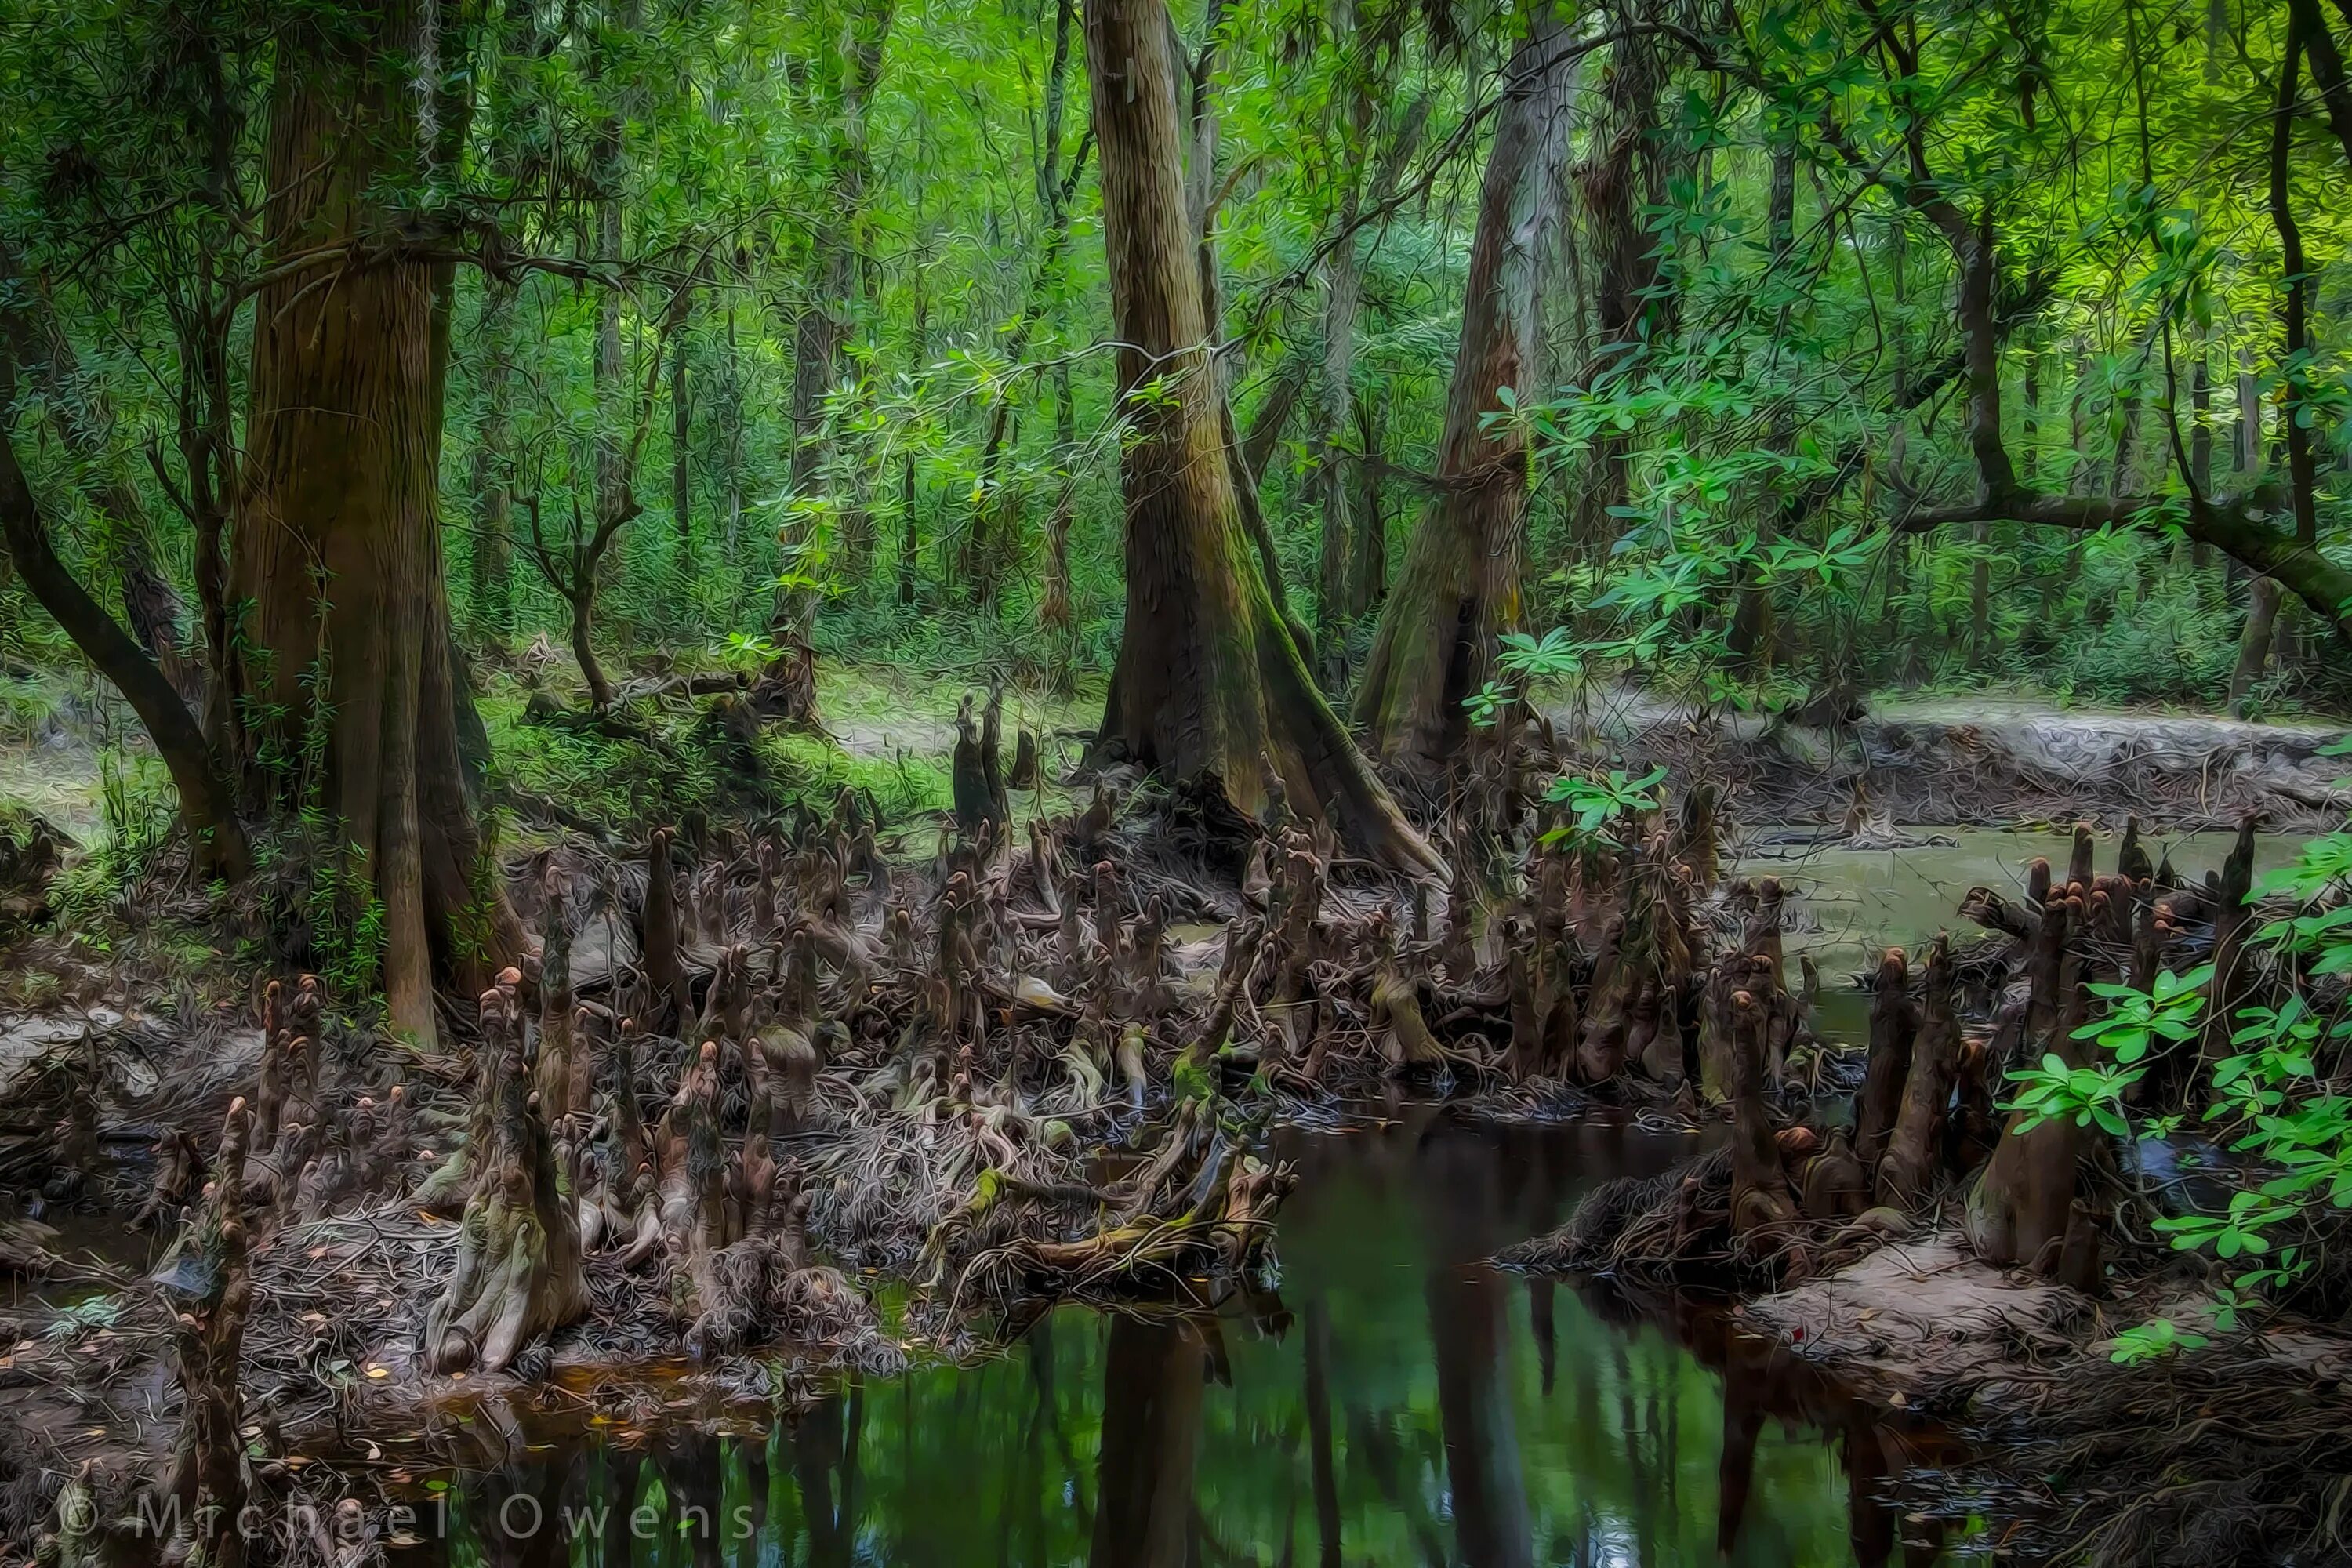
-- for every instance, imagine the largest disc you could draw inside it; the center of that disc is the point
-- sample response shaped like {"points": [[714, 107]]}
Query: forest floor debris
{"points": [[836, 1092], [766, 1102]]}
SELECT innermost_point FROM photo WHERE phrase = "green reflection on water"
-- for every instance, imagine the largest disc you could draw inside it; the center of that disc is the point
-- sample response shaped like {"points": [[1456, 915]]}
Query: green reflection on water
{"points": [[1398, 1404]]}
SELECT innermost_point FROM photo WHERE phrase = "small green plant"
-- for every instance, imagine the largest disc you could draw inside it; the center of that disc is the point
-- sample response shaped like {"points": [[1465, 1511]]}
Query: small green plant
{"points": [[136, 805], [2155, 1340], [754, 648], [1523, 659], [1595, 800], [345, 920], [2094, 1094], [2136, 1020]]}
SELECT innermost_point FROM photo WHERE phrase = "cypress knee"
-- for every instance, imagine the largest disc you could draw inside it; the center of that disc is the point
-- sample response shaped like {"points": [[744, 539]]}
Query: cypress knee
{"points": [[1893, 1025], [1908, 1169], [1760, 1185]]}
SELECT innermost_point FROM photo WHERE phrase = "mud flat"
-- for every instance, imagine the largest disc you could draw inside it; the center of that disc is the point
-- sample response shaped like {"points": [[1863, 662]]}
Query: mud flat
{"points": [[1992, 764]]}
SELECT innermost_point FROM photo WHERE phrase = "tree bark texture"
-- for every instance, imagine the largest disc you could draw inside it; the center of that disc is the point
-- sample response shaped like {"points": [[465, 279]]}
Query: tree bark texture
{"points": [[1460, 585], [338, 548], [1209, 681]]}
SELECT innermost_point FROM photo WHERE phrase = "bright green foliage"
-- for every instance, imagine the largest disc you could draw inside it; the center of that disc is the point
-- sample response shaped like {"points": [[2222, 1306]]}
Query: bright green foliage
{"points": [[2050, 1090], [1595, 800], [2154, 1341], [1800, 389], [2136, 1021], [2283, 1116]]}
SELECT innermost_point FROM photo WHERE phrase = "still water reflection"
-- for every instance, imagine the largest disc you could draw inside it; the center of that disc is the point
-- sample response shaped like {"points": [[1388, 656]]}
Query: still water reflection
{"points": [[1399, 1405]]}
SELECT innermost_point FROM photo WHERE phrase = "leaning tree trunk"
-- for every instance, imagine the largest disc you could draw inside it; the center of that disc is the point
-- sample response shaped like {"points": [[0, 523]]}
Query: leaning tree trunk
{"points": [[207, 800], [1460, 586], [1209, 681], [338, 550], [2254, 642]]}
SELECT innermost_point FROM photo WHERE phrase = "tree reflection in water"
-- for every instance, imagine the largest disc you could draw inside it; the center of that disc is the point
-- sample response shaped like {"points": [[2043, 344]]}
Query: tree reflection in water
{"points": [[1411, 1413]]}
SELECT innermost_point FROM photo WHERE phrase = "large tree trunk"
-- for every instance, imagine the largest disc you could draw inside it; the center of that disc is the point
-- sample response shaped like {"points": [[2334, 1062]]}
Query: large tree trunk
{"points": [[1209, 681], [1621, 181], [1460, 586], [338, 549]]}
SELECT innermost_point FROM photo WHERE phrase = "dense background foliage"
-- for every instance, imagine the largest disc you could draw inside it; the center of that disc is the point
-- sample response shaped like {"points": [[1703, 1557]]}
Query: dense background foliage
{"points": [[789, 276]]}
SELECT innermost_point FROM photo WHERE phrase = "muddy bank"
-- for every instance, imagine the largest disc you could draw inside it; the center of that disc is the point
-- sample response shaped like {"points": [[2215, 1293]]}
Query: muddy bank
{"points": [[2234, 1453], [1990, 763]]}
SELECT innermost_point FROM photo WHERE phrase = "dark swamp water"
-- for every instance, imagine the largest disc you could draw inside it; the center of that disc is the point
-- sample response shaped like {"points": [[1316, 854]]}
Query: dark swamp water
{"points": [[1399, 1403]]}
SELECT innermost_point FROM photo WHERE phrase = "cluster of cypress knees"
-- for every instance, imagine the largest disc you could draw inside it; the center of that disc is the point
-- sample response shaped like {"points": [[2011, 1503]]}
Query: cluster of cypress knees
{"points": [[1788, 1198]]}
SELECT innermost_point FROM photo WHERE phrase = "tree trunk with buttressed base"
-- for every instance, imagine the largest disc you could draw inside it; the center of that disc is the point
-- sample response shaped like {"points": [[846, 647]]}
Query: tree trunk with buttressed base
{"points": [[338, 552], [1460, 586], [1209, 680]]}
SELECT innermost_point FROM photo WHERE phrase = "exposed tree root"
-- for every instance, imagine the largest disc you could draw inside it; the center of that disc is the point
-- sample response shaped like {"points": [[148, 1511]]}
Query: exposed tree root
{"points": [[518, 1265]]}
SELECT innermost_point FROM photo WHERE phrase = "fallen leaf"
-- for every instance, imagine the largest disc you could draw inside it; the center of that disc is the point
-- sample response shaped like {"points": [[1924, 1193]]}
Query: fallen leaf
{"points": [[379, 1372]]}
